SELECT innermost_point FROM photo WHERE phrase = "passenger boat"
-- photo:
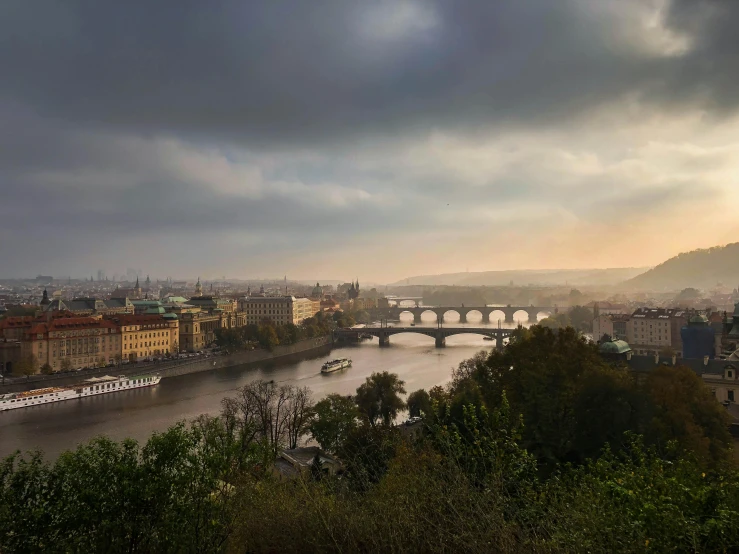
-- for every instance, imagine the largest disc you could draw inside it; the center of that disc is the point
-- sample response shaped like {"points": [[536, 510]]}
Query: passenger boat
{"points": [[89, 387], [336, 365]]}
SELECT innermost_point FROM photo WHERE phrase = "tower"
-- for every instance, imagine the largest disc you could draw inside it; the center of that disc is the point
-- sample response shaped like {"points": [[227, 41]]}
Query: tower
{"points": [[198, 288], [45, 299]]}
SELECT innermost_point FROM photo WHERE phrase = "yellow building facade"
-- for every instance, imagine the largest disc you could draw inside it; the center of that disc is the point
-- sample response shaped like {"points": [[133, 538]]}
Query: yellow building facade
{"points": [[147, 336]]}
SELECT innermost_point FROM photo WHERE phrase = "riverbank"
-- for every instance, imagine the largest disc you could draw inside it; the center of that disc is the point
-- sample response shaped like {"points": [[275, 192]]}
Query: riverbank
{"points": [[178, 367]]}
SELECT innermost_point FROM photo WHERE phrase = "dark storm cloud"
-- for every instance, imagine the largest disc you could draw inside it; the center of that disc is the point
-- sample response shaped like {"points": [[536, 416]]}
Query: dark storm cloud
{"points": [[298, 120], [305, 71]]}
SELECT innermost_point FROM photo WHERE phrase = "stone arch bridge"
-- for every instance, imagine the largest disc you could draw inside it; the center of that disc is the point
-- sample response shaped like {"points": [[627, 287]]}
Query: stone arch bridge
{"points": [[508, 311], [439, 334]]}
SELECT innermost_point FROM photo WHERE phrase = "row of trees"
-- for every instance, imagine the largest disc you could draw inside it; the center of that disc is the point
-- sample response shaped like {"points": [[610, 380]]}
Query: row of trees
{"points": [[542, 447], [268, 335], [579, 317]]}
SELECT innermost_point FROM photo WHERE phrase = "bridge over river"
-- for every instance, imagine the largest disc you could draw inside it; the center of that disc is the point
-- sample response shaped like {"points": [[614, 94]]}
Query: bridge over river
{"points": [[508, 312], [439, 334]]}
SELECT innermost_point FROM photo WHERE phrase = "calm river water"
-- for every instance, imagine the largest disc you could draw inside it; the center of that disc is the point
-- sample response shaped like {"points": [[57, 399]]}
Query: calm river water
{"points": [[137, 414]]}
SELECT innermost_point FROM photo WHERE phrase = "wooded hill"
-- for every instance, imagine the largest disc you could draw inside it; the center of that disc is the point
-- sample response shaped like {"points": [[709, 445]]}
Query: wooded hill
{"points": [[703, 269]]}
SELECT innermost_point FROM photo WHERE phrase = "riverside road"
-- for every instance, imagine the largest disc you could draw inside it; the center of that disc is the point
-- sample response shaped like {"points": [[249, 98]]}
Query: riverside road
{"points": [[138, 413]]}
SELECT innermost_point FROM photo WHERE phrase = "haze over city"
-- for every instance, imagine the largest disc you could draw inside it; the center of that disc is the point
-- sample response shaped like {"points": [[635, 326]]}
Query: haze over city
{"points": [[382, 139]]}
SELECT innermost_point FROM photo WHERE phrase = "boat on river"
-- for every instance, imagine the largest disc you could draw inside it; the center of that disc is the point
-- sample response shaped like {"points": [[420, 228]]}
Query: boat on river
{"points": [[336, 365], [90, 387]]}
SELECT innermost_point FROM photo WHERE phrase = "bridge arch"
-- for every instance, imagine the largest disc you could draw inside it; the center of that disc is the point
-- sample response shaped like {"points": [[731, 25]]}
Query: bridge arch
{"points": [[477, 315], [446, 314], [409, 310], [542, 314], [520, 316], [498, 314]]}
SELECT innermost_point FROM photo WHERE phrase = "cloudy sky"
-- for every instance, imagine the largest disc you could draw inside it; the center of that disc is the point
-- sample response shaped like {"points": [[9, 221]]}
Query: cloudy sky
{"points": [[378, 139]]}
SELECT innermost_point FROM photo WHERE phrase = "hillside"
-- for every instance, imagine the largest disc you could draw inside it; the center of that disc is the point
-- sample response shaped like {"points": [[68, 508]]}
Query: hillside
{"points": [[702, 269], [549, 277]]}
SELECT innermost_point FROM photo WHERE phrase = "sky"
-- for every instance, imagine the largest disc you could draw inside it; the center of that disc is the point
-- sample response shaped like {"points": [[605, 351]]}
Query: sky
{"points": [[371, 139]]}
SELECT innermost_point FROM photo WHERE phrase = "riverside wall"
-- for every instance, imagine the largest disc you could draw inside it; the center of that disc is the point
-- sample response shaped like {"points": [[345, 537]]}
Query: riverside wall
{"points": [[292, 352]]}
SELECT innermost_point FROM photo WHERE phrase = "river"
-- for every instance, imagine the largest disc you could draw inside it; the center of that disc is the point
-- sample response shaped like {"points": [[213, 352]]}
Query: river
{"points": [[54, 428]]}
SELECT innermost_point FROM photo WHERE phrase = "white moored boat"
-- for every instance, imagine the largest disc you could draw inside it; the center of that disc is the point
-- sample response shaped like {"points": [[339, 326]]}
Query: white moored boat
{"points": [[90, 387], [336, 365]]}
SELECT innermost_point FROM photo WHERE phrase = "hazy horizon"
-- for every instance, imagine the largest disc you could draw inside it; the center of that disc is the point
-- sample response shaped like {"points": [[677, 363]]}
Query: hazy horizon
{"points": [[375, 140]]}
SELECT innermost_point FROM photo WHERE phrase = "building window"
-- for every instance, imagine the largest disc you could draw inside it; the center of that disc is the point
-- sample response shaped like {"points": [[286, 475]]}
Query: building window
{"points": [[731, 396]]}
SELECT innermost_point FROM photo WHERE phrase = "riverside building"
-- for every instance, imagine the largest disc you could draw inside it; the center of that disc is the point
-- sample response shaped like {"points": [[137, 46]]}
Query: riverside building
{"points": [[147, 336], [277, 309]]}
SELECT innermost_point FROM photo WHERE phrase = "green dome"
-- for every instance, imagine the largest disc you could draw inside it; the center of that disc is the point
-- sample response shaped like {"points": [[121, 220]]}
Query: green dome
{"points": [[699, 319], [615, 347]]}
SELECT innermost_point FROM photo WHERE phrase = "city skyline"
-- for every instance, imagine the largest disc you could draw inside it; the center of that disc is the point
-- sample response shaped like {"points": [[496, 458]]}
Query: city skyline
{"points": [[384, 139]]}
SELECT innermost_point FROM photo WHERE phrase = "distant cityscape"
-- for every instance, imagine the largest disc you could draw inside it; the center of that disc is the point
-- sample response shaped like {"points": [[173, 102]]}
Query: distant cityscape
{"points": [[53, 325]]}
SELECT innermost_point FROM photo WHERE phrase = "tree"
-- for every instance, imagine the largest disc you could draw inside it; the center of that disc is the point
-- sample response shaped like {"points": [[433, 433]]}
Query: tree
{"points": [[575, 297], [367, 452], [520, 333], [300, 412], [419, 403], [46, 369], [688, 294], [65, 365], [684, 410], [277, 416], [171, 495], [556, 321], [378, 397], [231, 339], [666, 352], [268, 337], [251, 332], [542, 378], [27, 365], [581, 318], [335, 417]]}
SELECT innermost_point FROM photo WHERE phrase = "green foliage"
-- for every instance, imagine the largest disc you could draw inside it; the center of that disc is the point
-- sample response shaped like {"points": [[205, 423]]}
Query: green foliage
{"points": [[556, 321], [419, 403], [484, 444], [336, 417], [638, 501], [367, 452], [27, 365], [170, 495], [268, 337], [684, 410], [378, 398], [343, 319], [581, 318], [46, 369], [573, 402], [543, 447]]}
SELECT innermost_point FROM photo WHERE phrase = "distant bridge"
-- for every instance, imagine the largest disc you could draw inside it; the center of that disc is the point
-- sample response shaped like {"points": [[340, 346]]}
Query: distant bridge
{"points": [[532, 312], [439, 334]]}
